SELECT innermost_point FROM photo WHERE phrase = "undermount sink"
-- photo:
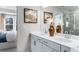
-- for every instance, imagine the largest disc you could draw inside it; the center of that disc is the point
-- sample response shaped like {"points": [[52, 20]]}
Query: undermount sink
{"points": [[42, 33], [63, 40]]}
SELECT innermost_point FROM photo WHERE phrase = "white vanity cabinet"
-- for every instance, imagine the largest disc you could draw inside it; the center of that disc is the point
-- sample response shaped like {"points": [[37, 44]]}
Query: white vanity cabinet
{"points": [[65, 48], [45, 47], [39, 44], [35, 44]]}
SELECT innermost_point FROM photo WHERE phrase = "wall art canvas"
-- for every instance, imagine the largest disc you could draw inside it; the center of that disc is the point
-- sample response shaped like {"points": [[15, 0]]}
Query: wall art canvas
{"points": [[30, 15], [47, 16]]}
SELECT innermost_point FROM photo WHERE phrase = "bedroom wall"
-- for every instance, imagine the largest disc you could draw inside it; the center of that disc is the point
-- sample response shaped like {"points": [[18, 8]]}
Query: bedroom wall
{"points": [[1, 23], [4, 10]]}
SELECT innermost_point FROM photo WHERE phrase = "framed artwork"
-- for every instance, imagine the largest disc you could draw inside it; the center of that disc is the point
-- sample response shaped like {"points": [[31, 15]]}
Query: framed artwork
{"points": [[30, 15], [47, 16]]}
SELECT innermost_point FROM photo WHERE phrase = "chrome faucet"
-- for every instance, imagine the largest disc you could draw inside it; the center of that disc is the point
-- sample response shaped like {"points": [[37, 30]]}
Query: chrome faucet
{"points": [[67, 35]]}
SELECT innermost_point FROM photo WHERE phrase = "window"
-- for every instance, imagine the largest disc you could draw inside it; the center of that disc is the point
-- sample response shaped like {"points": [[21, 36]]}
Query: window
{"points": [[9, 24]]}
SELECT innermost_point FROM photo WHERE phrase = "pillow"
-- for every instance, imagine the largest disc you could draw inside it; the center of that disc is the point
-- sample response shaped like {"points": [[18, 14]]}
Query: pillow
{"points": [[2, 37]]}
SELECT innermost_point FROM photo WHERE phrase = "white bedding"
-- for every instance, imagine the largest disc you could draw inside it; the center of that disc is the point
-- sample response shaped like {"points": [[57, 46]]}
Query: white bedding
{"points": [[11, 40], [11, 36]]}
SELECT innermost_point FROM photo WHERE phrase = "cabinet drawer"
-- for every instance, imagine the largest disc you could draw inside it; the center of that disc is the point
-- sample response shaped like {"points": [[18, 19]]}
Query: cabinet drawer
{"points": [[50, 44], [54, 45], [47, 49], [34, 37], [65, 48]]}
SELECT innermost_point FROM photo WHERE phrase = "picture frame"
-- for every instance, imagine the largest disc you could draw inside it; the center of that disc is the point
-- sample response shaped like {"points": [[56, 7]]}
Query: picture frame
{"points": [[47, 15], [30, 15]]}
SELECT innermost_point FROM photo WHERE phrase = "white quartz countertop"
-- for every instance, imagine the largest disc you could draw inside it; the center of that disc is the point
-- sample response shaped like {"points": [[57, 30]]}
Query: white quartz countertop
{"points": [[72, 42]]}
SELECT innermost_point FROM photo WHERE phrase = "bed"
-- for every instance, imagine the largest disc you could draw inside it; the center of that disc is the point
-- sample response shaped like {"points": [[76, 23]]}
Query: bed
{"points": [[8, 39]]}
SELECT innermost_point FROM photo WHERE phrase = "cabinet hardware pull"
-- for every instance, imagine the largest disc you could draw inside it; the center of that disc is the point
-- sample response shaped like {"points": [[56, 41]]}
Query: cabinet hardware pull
{"points": [[65, 51], [45, 42], [34, 43]]}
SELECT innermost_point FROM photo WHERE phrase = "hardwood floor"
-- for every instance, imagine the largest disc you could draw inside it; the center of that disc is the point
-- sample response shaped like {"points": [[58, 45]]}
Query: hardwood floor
{"points": [[9, 50]]}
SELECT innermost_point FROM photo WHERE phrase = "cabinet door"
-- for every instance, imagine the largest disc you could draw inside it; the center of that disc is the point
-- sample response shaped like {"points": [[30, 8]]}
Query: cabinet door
{"points": [[65, 48], [33, 45], [36, 46], [53, 45], [43, 45], [47, 49]]}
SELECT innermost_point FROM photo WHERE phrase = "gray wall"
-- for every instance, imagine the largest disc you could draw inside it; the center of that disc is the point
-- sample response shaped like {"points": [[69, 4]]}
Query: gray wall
{"points": [[24, 29]]}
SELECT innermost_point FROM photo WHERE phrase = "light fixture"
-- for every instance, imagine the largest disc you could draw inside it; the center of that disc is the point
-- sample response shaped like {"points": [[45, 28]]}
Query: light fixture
{"points": [[44, 6]]}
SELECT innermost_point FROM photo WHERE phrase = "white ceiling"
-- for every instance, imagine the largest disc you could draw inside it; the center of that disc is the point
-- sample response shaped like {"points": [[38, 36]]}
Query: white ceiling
{"points": [[9, 7], [8, 10], [70, 8]]}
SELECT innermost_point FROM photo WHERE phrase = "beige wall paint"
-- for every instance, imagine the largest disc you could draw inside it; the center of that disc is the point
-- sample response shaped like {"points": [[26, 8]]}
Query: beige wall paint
{"points": [[1, 22]]}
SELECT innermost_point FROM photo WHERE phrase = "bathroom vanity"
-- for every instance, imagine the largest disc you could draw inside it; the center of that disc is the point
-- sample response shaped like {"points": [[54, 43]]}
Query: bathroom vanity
{"points": [[41, 42]]}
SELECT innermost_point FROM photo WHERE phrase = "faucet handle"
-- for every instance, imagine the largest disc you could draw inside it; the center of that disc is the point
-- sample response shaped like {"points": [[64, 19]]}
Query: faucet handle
{"points": [[66, 32]]}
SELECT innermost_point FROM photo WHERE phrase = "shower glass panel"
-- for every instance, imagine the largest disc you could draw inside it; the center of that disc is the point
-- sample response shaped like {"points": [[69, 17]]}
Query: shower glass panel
{"points": [[71, 24]]}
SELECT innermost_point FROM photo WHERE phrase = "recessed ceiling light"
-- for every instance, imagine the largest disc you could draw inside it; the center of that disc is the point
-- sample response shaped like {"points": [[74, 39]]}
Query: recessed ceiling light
{"points": [[44, 6]]}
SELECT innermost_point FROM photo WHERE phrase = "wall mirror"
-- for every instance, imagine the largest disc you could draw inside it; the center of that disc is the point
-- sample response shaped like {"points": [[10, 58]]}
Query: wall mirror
{"points": [[67, 16], [46, 15], [53, 14]]}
